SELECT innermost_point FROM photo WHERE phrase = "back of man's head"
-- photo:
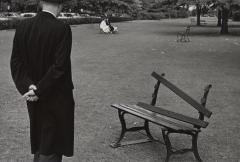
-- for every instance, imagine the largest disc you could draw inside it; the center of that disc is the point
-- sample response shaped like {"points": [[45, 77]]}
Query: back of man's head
{"points": [[53, 1], [54, 6]]}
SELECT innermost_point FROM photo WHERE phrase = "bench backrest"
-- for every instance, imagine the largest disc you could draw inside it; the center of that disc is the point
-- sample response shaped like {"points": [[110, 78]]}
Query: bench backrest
{"points": [[196, 122], [200, 107]]}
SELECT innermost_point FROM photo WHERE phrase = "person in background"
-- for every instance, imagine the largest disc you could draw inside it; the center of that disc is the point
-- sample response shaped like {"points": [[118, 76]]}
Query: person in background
{"points": [[106, 27], [41, 70], [109, 25]]}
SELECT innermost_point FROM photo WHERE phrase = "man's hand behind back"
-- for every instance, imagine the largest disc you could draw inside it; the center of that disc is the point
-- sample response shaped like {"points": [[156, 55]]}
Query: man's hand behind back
{"points": [[30, 95]]}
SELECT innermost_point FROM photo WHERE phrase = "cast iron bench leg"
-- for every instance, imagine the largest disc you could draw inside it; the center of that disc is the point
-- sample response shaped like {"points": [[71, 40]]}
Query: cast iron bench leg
{"points": [[168, 144], [195, 147], [124, 129], [146, 126], [169, 148], [132, 129]]}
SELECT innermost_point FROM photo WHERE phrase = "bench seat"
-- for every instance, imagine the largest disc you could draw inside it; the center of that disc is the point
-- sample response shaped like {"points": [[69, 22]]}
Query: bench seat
{"points": [[154, 117]]}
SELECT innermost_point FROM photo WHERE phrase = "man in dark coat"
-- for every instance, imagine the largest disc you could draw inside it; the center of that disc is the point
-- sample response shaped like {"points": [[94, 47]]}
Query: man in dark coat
{"points": [[41, 70]]}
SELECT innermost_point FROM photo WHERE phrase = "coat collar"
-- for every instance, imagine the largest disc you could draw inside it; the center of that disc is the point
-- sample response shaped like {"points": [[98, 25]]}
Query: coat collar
{"points": [[49, 12], [46, 14]]}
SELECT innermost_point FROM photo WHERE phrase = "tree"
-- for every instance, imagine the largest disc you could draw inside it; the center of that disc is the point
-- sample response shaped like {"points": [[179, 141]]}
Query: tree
{"points": [[224, 9], [219, 16], [70, 5], [102, 7], [4, 3], [24, 5], [200, 6], [225, 15]]}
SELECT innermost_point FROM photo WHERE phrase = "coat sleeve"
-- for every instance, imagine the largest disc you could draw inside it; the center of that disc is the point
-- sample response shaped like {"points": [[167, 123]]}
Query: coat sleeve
{"points": [[60, 65], [19, 69]]}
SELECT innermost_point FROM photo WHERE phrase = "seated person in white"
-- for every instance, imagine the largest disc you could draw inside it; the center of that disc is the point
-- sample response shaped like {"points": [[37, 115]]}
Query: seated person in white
{"points": [[106, 27]]}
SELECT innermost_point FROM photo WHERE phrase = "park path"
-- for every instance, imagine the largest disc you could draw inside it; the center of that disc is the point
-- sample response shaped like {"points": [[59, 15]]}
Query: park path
{"points": [[115, 69]]}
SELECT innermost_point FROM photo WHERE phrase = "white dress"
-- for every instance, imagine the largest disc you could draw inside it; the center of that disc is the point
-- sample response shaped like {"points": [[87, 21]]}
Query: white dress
{"points": [[104, 27]]}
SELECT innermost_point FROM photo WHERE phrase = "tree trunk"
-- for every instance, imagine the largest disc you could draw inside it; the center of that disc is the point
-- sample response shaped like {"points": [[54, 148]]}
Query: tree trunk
{"points": [[0, 5], [198, 14], [224, 26], [219, 18]]}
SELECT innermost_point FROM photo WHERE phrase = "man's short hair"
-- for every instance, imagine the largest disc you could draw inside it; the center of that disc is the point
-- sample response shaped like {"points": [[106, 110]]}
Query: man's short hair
{"points": [[54, 1]]}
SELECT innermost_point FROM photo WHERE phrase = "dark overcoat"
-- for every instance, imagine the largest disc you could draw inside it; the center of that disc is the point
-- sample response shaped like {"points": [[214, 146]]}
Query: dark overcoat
{"points": [[41, 56]]}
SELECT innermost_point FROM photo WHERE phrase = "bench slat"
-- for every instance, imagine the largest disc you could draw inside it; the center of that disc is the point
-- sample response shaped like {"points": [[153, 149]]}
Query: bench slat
{"points": [[174, 115], [132, 109], [183, 95], [153, 114]]}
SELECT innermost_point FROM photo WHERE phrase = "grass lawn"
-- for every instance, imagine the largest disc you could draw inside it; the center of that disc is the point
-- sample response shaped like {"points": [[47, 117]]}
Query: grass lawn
{"points": [[116, 69]]}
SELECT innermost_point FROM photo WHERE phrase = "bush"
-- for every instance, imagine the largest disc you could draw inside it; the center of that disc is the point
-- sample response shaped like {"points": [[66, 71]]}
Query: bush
{"points": [[76, 21], [120, 19], [151, 16], [177, 14], [12, 24], [236, 16], [182, 14], [9, 24], [161, 15]]}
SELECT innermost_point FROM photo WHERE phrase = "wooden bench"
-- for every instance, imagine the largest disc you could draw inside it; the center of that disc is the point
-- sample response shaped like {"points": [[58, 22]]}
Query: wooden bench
{"points": [[184, 36], [170, 122]]}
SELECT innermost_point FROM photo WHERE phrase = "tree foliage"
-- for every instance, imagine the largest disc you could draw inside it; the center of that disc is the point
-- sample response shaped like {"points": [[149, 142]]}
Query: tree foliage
{"points": [[98, 6]]}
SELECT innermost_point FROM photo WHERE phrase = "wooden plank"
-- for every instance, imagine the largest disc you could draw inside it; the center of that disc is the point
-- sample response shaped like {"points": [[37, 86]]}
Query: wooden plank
{"points": [[183, 95], [174, 115], [156, 115], [145, 116], [152, 118], [171, 120]]}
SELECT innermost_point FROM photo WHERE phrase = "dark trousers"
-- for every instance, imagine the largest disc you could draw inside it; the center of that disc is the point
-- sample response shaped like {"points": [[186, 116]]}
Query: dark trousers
{"points": [[111, 28], [47, 158]]}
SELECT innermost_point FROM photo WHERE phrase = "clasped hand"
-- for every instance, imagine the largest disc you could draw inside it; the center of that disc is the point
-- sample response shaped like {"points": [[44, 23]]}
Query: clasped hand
{"points": [[30, 95]]}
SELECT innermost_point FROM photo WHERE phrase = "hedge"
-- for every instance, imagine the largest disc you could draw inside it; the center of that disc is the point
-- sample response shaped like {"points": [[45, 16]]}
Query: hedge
{"points": [[236, 16], [76, 21], [12, 24], [9, 24], [120, 19], [151, 16], [145, 15]]}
